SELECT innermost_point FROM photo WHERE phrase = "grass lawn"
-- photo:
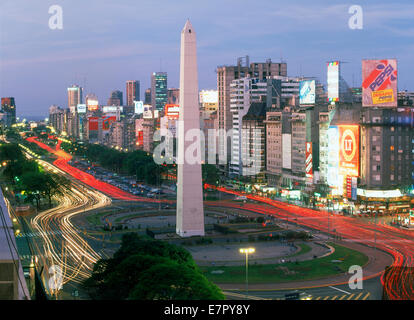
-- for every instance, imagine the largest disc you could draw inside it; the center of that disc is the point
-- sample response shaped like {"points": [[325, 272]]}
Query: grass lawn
{"points": [[304, 248], [290, 271], [95, 219]]}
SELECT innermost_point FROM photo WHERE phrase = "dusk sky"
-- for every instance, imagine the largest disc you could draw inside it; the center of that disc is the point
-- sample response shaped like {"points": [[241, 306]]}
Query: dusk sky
{"points": [[104, 42]]}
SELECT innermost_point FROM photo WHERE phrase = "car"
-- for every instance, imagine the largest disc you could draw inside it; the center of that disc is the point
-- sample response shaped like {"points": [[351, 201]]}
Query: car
{"points": [[297, 295]]}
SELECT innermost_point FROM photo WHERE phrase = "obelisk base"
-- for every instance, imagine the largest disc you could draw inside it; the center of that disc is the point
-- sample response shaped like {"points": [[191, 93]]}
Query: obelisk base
{"points": [[190, 233]]}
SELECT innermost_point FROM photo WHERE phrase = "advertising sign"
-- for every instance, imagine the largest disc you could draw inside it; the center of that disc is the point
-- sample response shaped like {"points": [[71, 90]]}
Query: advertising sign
{"points": [[172, 111], [93, 105], [208, 96], [140, 138], [287, 151], [379, 83], [348, 187], [106, 122], [93, 123], [349, 150], [354, 188], [307, 92], [112, 109], [308, 161], [139, 107], [333, 156], [333, 81], [81, 108]]}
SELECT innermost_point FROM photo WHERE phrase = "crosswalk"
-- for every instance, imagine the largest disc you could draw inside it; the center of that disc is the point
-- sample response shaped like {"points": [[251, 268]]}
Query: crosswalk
{"points": [[353, 296], [363, 295], [69, 254]]}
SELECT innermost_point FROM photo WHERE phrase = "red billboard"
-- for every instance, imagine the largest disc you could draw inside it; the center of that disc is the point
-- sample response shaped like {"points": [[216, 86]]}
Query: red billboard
{"points": [[379, 83], [106, 122], [93, 123], [172, 111], [349, 150], [140, 138]]}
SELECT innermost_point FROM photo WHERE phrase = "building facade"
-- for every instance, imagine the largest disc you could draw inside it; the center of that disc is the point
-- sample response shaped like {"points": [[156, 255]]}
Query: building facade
{"points": [[225, 75], [132, 92], [159, 90], [8, 106], [75, 97]]}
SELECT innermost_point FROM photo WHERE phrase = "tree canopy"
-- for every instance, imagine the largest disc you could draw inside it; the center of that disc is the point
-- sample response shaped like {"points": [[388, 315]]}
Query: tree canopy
{"points": [[148, 270]]}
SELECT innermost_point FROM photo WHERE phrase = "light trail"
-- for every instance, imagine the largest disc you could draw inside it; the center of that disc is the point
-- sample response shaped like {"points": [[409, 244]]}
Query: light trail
{"points": [[399, 243], [61, 242]]}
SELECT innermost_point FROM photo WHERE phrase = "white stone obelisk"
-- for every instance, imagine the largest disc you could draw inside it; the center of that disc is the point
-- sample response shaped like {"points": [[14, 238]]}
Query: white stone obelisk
{"points": [[190, 211]]}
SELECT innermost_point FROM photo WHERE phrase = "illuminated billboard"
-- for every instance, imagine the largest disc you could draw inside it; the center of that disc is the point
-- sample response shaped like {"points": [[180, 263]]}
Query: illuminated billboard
{"points": [[307, 92], [112, 109], [333, 157], [349, 150], [208, 96], [92, 104], [81, 108], [172, 111], [93, 123], [379, 83], [139, 107], [139, 138], [333, 81], [106, 122], [308, 161]]}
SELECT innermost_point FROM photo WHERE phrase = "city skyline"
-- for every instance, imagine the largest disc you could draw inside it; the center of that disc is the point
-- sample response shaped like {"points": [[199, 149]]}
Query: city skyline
{"points": [[145, 43]]}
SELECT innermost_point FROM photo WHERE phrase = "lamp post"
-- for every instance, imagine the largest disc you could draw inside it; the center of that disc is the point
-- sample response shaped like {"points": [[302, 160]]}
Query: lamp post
{"points": [[247, 251]]}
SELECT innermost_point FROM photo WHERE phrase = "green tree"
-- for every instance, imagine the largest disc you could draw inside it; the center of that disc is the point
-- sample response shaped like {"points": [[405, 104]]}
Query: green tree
{"points": [[33, 184], [54, 185], [135, 265], [172, 281], [210, 174]]}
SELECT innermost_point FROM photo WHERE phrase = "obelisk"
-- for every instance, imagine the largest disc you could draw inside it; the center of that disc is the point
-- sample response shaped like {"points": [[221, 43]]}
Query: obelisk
{"points": [[190, 211]]}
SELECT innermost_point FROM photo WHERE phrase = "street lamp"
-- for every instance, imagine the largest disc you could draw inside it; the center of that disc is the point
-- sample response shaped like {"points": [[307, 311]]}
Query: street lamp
{"points": [[247, 251]]}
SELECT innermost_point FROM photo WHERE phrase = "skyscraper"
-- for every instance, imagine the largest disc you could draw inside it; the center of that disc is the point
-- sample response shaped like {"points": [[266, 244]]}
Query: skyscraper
{"points": [[225, 75], [190, 211], [147, 97], [75, 94], [173, 96], [159, 95], [9, 107], [132, 92], [116, 98]]}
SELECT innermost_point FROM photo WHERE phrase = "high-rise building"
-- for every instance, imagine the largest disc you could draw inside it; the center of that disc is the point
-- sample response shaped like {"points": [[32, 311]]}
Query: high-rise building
{"points": [[75, 97], [387, 148], [253, 142], [209, 100], [8, 106], [92, 102], [116, 98], [132, 92], [273, 147], [159, 90], [147, 99], [243, 92], [173, 96], [225, 75], [57, 118]]}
